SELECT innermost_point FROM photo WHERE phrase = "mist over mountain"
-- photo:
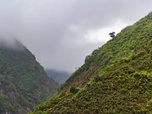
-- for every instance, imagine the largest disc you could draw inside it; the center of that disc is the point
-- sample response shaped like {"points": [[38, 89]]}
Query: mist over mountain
{"points": [[23, 81], [115, 78], [53, 29], [10, 42], [58, 76]]}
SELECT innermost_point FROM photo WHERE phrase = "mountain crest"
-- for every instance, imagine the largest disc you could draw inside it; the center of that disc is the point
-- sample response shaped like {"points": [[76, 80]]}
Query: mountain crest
{"points": [[116, 78], [23, 81], [11, 43]]}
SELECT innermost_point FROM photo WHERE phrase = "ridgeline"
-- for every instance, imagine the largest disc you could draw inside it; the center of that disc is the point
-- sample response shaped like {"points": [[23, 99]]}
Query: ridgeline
{"points": [[23, 81], [116, 78]]}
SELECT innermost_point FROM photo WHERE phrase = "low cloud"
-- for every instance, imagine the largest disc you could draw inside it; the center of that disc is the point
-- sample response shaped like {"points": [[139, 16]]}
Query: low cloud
{"points": [[56, 31], [10, 42]]}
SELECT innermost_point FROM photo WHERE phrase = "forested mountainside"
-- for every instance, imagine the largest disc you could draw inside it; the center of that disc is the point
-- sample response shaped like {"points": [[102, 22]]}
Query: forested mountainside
{"points": [[116, 78], [58, 76], [23, 81]]}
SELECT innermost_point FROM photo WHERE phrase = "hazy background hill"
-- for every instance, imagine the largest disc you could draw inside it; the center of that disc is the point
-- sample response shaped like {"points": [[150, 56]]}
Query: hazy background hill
{"points": [[116, 78], [58, 76], [23, 81]]}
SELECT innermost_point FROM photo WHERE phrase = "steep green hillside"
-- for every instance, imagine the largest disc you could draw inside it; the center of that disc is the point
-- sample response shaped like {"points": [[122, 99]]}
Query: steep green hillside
{"points": [[116, 78], [23, 82]]}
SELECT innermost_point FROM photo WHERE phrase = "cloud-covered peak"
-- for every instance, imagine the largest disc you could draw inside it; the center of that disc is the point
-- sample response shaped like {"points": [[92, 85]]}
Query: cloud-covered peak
{"points": [[11, 43]]}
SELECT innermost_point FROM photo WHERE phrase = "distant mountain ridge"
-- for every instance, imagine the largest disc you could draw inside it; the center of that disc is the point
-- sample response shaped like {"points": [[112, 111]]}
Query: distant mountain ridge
{"points": [[58, 76], [23, 81], [116, 78]]}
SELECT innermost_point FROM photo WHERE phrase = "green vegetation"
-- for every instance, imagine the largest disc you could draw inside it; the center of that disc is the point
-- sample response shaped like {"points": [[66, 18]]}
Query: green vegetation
{"points": [[116, 78], [23, 82]]}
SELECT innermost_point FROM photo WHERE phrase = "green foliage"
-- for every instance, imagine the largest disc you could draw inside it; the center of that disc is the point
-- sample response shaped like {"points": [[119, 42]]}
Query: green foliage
{"points": [[74, 89], [23, 82], [116, 78]]}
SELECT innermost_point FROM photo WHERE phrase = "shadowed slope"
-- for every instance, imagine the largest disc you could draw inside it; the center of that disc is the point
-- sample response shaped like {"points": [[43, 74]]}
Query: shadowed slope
{"points": [[23, 81]]}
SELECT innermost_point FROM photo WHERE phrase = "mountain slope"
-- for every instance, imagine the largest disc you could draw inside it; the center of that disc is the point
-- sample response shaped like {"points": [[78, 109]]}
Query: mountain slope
{"points": [[58, 76], [23, 81], [116, 78]]}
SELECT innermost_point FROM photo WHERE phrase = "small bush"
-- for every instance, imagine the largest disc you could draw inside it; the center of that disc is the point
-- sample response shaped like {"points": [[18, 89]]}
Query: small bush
{"points": [[74, 89]]}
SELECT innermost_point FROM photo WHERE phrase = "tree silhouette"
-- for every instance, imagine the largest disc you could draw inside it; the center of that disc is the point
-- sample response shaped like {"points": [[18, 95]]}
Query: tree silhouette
{"points": [[112, 34]]}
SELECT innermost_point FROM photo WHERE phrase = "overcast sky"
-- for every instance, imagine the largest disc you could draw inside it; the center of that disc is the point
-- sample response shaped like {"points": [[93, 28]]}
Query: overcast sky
{"points": [[61, 33]]}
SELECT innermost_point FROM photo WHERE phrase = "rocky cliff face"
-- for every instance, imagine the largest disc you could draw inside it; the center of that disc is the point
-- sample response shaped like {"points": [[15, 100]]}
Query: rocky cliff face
{"points": [[23, 81]]}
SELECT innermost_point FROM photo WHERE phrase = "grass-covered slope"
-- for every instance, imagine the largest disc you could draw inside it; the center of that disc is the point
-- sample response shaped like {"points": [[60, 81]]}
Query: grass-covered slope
{"points": [[116, 78], [23, 82]]}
